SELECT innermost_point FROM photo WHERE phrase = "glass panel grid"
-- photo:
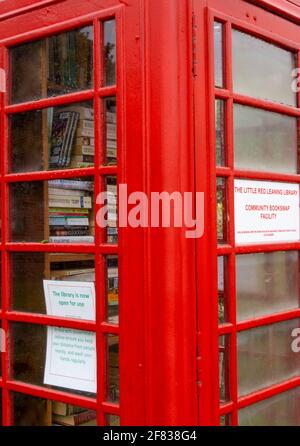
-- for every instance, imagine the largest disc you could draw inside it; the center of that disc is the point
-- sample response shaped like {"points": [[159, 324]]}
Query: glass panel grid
{"points": [[231, 251], [40, 91]]}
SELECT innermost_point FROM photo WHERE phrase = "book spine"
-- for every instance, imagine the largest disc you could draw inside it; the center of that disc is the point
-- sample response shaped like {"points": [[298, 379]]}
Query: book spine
{"points": [[66, 202], [72, 239], [68, 221], [72, 184]]}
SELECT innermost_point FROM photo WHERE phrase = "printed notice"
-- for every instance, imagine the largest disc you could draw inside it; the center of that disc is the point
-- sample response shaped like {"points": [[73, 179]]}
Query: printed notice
{"points": [[71, 354], [266, 212]]}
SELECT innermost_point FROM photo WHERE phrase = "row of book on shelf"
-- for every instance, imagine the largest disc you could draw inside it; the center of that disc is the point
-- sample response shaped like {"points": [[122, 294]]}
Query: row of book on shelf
{"points": [[71, 137], [71, 212]]}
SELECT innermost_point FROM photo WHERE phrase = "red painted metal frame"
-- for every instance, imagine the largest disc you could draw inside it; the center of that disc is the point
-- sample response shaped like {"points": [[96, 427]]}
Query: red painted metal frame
{"points": [[100, 248], [261, 24]]}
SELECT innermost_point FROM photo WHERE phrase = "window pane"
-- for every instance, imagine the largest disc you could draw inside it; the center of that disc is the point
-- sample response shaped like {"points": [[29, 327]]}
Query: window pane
{"points": [[222, 213], [110, 52], [262, 70], [265, 356], [112, 289], [113, 385], [225, 420], [267, 283], [112, 228], [56, 211], [112, 420], [264, 140], [224, 365], [223, 289], [33, 411], [54, 138], [110, 131], [54, 66], [219, 62], [63, 359], [280, 410], [70, 273], [220, 132]]}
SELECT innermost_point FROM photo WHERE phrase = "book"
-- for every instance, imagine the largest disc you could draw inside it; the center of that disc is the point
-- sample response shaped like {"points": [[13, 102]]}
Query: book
{"points": [[77, 419], [83, 150], [72, 272], [67, 192], [68, 221], [59, 408], [72, 184], [85, 113], [71, 239], [62, 135], [66, 201], [69, 232]]}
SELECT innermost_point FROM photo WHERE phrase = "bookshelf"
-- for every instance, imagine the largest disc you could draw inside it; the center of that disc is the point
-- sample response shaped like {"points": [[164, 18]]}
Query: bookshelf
{"points": [[60, 138]]}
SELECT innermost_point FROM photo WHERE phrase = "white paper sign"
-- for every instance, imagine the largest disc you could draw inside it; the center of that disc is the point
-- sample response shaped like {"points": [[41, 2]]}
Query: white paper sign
{"points": [[266, 212], [71, 354]]}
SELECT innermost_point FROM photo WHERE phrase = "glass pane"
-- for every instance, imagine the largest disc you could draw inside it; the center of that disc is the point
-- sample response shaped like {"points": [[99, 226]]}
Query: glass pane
{"points": [[267, 283], [54, 66], [262, 70], [69, 273], [223, 289], [220, 132], [280, 410], [225, 420], [112, 229], [110, 131], [54, 138], [59, 358], [110, 52], [33, 411], [264, 140], [219, 62], [224, 368], [222, 214], [265, 356], [112, 289], [56, 211], [113, 378], [112, 420]]}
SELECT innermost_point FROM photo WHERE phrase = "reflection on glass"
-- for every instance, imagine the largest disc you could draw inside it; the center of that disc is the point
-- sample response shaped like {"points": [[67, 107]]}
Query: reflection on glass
{"points": [[224, 361], [280, 410], [264, 140], [221, 210], [112, 420], [223, 289], [267, 283], [265, 356], [112, 289], [29, 347], [219, 60], [110, 52], [112, 223], [110, 130], [113, 385], [32, 411], [30, 269], [220, 131], [262, 70], [55, 211], [53, 138], [54, 66]]}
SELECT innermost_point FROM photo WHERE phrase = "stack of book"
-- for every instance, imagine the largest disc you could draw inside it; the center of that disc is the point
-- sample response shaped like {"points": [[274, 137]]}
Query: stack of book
{"points": [[111, 135], [71, 138], [68, 415], [70, 211]]}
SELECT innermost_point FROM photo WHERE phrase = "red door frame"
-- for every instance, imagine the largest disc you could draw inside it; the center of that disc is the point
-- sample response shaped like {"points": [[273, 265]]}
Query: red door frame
{"points": [[156, 266], [257, 22]]}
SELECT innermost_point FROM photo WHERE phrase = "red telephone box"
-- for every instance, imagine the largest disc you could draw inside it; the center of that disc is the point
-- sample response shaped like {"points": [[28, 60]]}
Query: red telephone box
{"points": [[143, 326]]}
